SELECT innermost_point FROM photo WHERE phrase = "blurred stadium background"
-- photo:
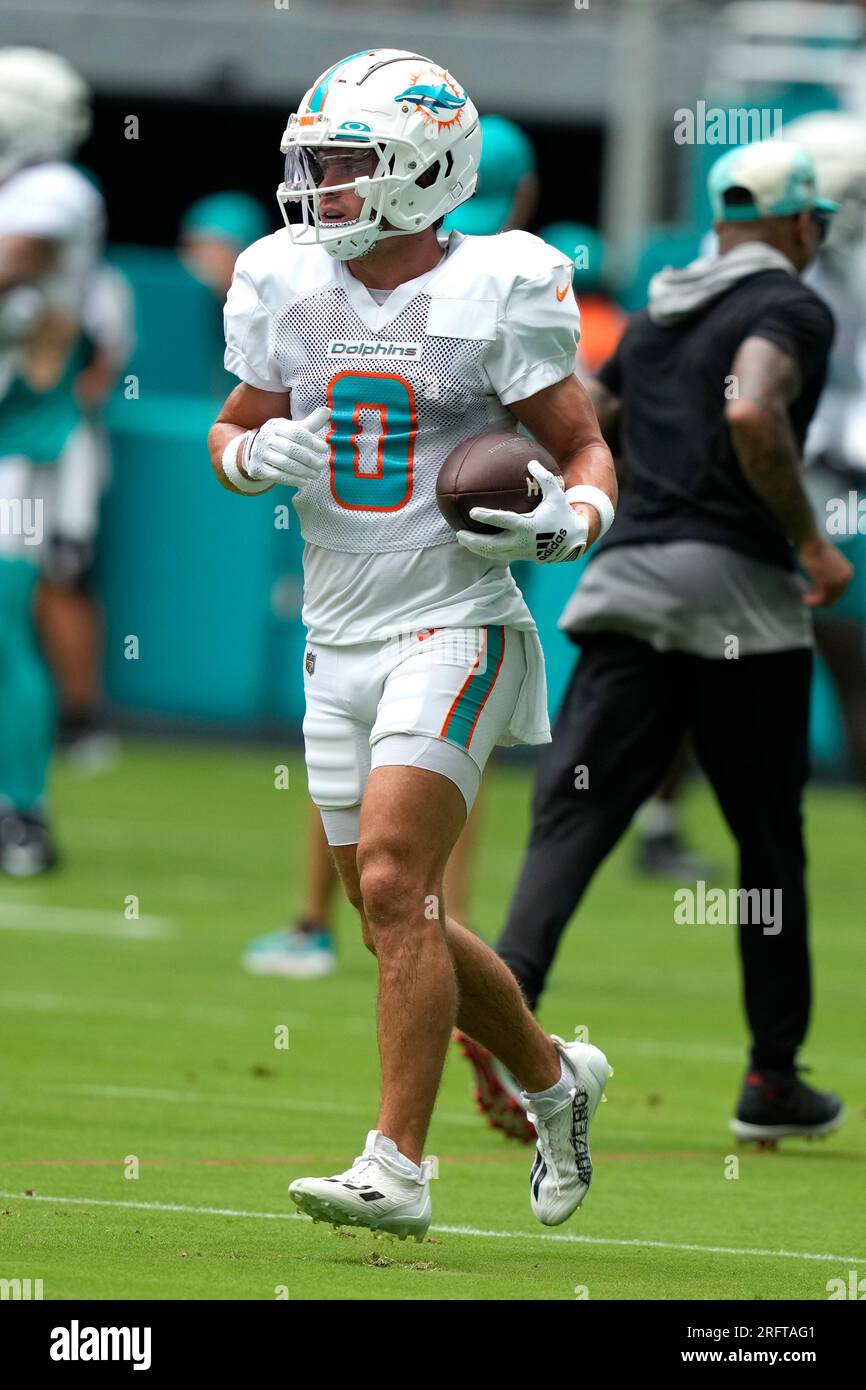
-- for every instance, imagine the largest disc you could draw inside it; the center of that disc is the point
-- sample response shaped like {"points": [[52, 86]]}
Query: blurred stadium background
{"points": [[211, 588]]}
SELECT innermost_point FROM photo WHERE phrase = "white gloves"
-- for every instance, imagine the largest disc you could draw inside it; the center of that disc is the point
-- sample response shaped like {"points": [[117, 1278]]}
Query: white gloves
{"points": [[552, 532], [287, 451]]}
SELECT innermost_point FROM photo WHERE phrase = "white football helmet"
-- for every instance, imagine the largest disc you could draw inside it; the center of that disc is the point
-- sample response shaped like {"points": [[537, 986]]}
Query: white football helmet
{"points": [[409, 145], [44, 108], [836, 141]]}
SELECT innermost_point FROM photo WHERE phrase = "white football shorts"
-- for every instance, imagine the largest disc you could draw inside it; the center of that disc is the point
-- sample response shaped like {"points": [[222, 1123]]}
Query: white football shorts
{"points": [[438, 699]]}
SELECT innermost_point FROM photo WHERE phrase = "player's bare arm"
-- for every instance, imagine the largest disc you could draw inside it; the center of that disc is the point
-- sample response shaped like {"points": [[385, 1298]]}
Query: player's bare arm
{"points": [[262, 446], [247, 408], [768, 380], [562, 418]]}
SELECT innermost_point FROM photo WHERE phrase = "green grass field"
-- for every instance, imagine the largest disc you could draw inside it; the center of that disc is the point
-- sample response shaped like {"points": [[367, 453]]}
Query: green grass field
{"points": [[143, 1038]]}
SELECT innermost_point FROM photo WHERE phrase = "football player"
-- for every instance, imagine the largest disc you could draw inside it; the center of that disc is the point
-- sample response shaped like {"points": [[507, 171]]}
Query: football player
{"points": [[68, 615], [51, 223], [367, 349], [304, 949]]}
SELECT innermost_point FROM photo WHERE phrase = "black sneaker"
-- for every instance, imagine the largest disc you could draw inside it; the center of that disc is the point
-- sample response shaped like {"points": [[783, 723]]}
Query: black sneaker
{"points": [[778, 1105], [26, 846], [665, 856]]}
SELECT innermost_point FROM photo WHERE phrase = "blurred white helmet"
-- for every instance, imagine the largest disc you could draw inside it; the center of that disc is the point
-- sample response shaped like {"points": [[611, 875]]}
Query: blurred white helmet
{"points": [[44, 108], [836, 141], [395, 129]]}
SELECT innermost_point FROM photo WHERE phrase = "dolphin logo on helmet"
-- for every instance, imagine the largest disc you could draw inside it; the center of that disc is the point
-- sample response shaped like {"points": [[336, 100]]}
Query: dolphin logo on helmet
{"points": [[433, 99]]}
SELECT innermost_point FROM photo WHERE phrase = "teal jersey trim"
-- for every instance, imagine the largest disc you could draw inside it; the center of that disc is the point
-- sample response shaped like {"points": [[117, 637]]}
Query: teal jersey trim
{"points": [[465, 712]]}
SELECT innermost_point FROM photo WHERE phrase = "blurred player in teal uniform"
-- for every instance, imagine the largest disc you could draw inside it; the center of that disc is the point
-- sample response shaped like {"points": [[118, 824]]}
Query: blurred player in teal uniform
{"points": [[68, 616], [51, 227]]}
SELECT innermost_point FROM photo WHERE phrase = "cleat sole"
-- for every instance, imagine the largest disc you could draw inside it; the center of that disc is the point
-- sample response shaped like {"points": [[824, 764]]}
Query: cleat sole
{"points": [[748, 1133], [320, 1209]]}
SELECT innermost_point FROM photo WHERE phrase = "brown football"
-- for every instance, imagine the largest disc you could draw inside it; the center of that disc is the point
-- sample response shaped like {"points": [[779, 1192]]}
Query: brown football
{"points": [[490, 470]]}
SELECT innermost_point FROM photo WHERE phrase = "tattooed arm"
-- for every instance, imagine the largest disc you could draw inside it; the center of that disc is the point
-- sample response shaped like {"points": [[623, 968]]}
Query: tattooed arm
{"points": [[769, 380]]}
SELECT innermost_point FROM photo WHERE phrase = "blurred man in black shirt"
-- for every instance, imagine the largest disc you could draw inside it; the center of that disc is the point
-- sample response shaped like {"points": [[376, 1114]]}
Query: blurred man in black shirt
{"points": [[692, 616]]}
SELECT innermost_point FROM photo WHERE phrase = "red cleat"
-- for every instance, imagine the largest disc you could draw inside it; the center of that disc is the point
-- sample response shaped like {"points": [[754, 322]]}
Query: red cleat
{"points": [[496, 1094]]}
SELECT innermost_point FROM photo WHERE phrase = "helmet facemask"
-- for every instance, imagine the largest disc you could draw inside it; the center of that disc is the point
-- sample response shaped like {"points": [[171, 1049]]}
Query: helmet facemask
{"points": [[402, 190], [363, 172]]}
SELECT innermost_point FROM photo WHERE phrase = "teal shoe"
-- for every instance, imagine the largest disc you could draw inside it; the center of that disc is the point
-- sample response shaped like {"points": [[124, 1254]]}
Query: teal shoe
{"points": [[301, 952]]}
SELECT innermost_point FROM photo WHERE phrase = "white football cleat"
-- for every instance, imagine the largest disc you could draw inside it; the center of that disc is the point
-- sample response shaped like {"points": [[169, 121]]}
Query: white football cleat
{"points": [[382, 1191], [562, 1170]]}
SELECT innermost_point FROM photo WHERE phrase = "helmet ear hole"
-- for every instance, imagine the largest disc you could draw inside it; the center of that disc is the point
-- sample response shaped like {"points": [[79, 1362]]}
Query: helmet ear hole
{"points": [[429, 176], [442, 168]]}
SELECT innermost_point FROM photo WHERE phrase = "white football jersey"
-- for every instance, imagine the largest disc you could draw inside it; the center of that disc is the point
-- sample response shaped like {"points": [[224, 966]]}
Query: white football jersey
{"points": [[53, 202], [406, 380]]}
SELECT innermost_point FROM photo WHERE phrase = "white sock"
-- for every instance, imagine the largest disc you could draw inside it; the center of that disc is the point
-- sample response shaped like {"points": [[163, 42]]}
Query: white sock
{"points": [[543, 1102], [388, 1149]]}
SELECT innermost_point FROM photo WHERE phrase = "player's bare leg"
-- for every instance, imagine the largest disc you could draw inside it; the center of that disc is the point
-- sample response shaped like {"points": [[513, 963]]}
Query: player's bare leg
{"points": [[563, 1083], [431, 974], [490, 1007], [410, 820]]}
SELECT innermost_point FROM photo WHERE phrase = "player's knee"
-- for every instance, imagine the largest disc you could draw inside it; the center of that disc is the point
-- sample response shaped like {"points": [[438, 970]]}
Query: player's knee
{"points": [[388, 886]]}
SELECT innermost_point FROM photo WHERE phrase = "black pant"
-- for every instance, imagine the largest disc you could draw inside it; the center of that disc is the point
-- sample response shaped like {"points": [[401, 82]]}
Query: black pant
{"points": [[623, 718]]}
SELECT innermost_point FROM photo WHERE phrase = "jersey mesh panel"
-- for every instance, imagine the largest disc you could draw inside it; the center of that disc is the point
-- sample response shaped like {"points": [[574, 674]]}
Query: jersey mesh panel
{"points": [[452, 401]]}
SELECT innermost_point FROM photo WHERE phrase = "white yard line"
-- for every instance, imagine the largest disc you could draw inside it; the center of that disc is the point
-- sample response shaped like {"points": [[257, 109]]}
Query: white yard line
{"points": [[470, 1231], [82, 921]]}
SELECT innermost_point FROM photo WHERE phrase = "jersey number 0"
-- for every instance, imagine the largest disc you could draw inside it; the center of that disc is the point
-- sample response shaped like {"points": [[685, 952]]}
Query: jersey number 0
{"points": [[373, 418]]}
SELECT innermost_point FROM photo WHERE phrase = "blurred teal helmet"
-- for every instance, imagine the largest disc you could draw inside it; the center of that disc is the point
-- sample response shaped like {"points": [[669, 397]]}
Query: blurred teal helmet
{"points": [[507, 157], [232, 217], [584, 246]]}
